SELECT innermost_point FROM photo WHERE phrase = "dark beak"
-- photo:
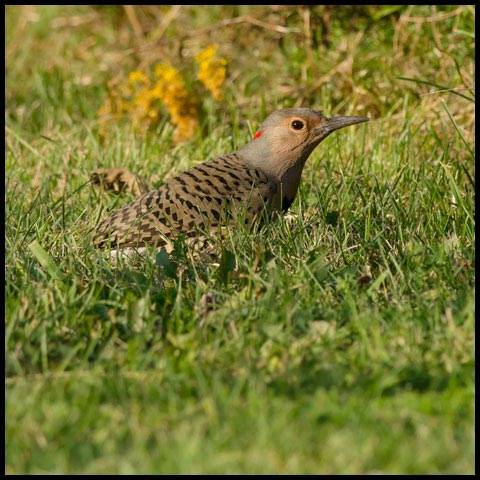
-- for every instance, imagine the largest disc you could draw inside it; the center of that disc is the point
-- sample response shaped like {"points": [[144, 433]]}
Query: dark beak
{"points": [[339, 122]]}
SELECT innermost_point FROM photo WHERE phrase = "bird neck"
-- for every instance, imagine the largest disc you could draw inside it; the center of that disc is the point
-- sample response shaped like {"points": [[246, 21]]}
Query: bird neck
{"points": [[278, 162], [274, 159], [290, 180]]}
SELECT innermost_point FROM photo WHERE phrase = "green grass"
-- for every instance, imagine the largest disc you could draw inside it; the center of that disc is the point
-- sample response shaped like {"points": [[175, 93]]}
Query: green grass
{"points": [[337, 340]]}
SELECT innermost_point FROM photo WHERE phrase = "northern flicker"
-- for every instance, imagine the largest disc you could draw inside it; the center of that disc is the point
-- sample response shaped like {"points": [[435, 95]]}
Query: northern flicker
{"points": [[261, 177]]}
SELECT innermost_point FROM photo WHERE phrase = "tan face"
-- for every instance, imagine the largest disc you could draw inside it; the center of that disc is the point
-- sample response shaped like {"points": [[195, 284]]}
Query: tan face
{"points": [[303, 127], [292, 132], [310, 128]]}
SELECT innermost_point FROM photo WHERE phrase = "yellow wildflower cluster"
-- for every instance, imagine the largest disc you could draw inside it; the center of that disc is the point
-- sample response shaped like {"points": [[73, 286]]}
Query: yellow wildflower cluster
{"points": [[212, 71], [132, 101], [141, 108], [181, 105], [139, 100]]}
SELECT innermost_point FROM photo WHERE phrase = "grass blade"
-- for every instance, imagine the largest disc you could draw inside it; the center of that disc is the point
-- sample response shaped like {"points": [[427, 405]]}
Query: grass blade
{"points": [[440, 87], [45, 260], [458, 129]]}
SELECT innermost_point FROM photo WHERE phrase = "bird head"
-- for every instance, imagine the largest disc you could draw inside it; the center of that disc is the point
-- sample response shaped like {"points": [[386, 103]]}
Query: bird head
{"points": [[287, 137]]}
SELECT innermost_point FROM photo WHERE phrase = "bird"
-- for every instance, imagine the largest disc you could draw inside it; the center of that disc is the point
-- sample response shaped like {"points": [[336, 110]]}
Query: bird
{"points": [[260, 178]]}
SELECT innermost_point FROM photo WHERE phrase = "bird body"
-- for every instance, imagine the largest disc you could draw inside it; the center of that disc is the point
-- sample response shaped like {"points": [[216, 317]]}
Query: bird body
{"points": [[261, 177]]}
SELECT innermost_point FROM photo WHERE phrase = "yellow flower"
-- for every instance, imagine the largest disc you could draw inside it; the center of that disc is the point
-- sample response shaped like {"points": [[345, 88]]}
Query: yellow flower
{"points": [[138, 77], [212, 71], [138, 100], [206, 55], [171, 91]]}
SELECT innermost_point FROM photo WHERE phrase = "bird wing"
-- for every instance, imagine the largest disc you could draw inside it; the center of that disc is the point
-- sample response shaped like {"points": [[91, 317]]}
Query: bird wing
{"points": [[203, 197]]}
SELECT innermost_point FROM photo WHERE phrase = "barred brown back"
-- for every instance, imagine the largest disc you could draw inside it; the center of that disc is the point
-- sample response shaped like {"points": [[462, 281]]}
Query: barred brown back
{"points": [[200, 198]]}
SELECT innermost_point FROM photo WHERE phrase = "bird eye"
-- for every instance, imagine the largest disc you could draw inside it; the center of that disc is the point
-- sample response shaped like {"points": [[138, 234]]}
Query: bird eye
{"points": [[297, 124]]}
